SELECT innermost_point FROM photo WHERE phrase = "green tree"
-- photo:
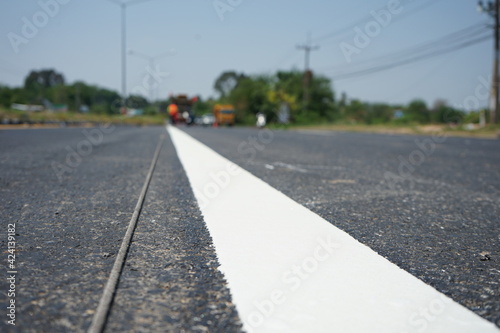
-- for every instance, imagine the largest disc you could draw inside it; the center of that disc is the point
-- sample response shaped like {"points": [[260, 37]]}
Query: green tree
{"points": [[472, 117], [99, 100], [17, 95], [417, 111], [45, 78], [322, 97], [137, 102], [37, 83], [379, 113], [447, 114], [6, 94], [201, 107], [57, 94], [250, 96], [265, 93], [227, 82], [356, 111], [104, 101]]}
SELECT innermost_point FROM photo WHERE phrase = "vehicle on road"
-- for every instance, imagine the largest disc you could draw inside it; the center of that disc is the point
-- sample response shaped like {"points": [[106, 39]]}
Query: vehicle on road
{"points": [[261, 120], [224, 114], [184, 108], [207, 120]]}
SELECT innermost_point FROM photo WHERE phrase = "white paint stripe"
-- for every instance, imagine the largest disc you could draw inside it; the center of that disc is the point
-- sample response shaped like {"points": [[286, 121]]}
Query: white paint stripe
{"points": [[289, 270], [290, 166]]}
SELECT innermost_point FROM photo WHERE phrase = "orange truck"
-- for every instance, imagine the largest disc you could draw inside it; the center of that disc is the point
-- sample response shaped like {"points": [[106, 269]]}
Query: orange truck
{"points": [[224, 114]]}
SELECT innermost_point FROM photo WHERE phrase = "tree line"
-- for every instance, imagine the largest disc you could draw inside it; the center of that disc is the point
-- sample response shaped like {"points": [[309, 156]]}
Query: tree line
{"points": [[250, 94], [48, 87], [265, 93]]}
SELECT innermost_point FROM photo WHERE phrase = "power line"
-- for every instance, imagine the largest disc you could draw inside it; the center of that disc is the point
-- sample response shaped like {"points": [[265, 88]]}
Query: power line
{"points": [[348, 75], [292, 53], [431, 72], [380, 68], [450, 39], [348, 29]]}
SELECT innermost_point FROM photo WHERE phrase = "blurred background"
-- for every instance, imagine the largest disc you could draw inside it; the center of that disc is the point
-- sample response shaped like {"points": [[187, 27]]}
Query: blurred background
{"points": [[359, 61]]}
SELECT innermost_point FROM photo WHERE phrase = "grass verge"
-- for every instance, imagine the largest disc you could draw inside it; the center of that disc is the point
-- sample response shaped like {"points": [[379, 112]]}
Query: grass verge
{"points": [[488, 132], [45, 118]]}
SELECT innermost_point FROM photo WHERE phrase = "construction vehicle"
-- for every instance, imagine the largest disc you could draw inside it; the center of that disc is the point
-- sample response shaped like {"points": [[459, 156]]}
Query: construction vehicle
{"points": [[224, 114], [184, 106]]}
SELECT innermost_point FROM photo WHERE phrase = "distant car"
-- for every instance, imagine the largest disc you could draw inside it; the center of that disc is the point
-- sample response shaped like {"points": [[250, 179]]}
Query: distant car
{"points": [[198, 121], [207, 120]]}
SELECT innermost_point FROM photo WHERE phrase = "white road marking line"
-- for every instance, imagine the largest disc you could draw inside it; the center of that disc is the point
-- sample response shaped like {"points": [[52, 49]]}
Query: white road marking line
{"points": [[290, 166], [289, 270]]}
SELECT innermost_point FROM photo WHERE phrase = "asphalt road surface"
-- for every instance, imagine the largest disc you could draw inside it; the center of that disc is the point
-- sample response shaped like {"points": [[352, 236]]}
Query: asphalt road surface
{"points": [[430, 205]]}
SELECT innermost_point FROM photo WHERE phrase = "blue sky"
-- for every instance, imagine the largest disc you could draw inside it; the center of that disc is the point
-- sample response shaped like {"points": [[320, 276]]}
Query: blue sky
{"points": [[82, 40]]}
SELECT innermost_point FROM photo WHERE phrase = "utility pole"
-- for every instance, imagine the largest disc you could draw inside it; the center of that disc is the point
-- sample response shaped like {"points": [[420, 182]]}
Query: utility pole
{"points": [[492, 8], [307, 47], [123, 5]]}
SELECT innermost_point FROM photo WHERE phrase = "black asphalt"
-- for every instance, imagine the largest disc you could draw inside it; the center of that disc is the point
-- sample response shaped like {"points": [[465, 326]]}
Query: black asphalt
{"points": [[431, 204], [170, 282], [71, 194]]}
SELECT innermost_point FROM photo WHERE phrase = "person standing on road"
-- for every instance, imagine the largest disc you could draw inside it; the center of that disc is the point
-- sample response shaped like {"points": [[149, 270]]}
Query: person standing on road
{"points": [[173, 112], [261, 120]]}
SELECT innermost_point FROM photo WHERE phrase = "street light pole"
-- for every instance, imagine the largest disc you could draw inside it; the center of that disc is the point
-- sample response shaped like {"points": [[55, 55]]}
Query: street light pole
{"points": [[494, 117], [123, 5], [492, 8], [124, 55]]}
